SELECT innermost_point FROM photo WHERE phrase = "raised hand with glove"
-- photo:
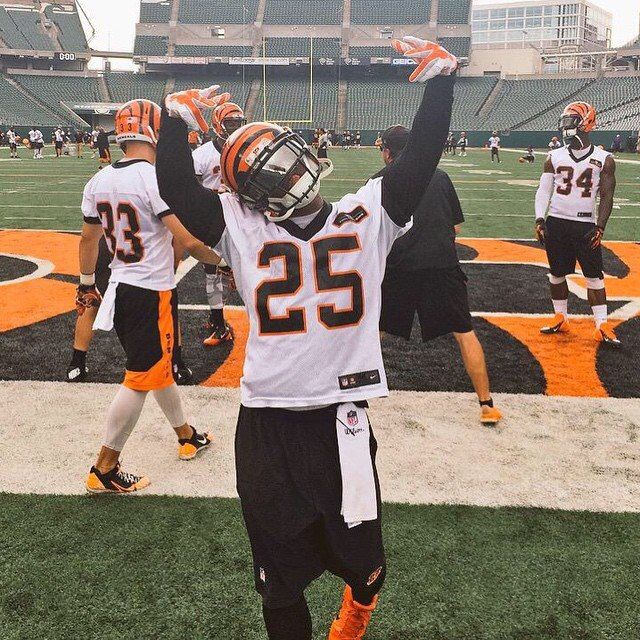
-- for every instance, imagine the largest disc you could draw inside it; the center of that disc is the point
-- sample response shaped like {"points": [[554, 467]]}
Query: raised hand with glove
{"points": [[432, 59], [195, 106]]}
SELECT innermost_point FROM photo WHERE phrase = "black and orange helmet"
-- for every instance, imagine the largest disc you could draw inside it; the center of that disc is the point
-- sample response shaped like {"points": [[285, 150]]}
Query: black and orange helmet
{"points": [[227, 118], [138, 120], [578, 116], [272, 169]]}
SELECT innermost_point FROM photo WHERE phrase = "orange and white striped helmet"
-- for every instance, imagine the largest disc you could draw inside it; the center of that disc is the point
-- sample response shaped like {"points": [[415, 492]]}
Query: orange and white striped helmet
{"points": [[577, 116], [227, 118], [138, 120], [272, 169]]}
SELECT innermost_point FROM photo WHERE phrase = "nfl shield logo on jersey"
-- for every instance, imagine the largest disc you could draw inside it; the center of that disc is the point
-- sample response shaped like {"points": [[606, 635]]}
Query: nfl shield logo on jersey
{"points": [[352, 418]]}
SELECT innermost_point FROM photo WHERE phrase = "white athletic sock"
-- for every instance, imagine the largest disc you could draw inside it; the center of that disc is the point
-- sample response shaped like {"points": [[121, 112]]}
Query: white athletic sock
{"points": [[599, 314], [215, 291], [169, 401], [122, 417], [560, 306]]}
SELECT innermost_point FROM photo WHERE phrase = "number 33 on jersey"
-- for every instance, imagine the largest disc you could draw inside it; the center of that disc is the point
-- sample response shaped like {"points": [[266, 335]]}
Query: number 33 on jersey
{"points": [[313, 299], [576, 183]]}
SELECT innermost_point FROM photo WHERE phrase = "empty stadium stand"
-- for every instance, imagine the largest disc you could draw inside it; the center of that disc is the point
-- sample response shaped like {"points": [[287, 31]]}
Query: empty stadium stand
{"points": [[151, 45], [127, 86], [155, 12], [29, 23], [70, 33], [301, 47], [458, 46], [385, 12], [10, 35], [453, 11], [16, 110], [208, 12], [51, 90], [303, 12], [235, 85], [383, 51], [219, 51]]}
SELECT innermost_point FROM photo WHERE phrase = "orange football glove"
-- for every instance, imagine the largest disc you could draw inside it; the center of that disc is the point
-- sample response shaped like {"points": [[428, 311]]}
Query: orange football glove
{"points": [[432, 59], [195, 106]]}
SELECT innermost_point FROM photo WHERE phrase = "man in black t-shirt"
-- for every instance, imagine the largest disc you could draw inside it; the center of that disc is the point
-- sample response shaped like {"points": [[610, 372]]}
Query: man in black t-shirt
{"points": [[423, 274]]}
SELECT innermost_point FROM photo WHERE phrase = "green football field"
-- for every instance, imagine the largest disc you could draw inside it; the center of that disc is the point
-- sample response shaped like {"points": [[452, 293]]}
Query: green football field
{"points": [[172, 568], [497, 199]]}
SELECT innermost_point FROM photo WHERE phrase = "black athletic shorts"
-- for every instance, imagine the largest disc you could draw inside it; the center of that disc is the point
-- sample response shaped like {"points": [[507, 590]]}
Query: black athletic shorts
{"points": [[566, 244], [58, 145], [146, 323], [13, 146], [290, 487], [439, 296]]}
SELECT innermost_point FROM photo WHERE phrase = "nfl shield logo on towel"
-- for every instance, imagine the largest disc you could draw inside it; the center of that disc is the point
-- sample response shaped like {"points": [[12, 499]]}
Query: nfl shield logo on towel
{"points": [[352, 418]]}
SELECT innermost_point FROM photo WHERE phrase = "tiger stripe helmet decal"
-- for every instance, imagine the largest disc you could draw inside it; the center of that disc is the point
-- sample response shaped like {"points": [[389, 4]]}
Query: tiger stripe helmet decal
{"points": [[138, 120], [585, 112], [227, 118]]}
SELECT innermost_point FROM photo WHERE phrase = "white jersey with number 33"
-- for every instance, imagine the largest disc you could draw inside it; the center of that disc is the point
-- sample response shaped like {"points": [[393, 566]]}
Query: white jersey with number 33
{"points": [[313, 298], [576, 183], [124, 198]]}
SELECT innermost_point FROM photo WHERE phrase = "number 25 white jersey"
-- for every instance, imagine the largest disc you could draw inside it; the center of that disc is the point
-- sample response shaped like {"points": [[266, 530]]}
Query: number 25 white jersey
{"points": [[124, 198], [576, 183], [313, 298]]}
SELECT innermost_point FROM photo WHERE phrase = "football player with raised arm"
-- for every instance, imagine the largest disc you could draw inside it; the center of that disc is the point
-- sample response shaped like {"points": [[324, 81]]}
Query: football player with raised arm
{"points": [[227, 118], [574, 176], [310, 273], [122, 203]]}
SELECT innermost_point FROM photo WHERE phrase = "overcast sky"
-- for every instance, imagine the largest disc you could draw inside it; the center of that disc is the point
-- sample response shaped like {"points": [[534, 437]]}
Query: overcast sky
{"points": [[115, 20]]}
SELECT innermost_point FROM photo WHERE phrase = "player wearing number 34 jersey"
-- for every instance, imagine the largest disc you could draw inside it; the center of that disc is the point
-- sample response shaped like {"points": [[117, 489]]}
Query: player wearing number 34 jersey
{"points": [[310, 274]]}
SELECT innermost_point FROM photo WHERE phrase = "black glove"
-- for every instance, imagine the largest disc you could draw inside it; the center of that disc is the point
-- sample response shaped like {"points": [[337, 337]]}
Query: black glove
{"points": [[227, 276], [541, 230], [87, 296], [594, 237]]}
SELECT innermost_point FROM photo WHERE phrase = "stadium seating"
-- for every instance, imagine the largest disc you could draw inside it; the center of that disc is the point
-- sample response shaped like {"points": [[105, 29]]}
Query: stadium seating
{"points": [[15, 110], [9, 32], [301, 47], [396, 102], [303, 12], [71, 35], [458, 46], [225, 51], [151, 46], [385, 12], [127, 86], [51, 90], [155, 12], [29, 23], [454, 11], [208, 12], [289, 100], [520, 100]]}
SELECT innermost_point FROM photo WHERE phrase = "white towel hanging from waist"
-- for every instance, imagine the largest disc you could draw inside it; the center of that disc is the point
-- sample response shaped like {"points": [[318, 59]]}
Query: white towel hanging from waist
{"points": [[104, 318]]}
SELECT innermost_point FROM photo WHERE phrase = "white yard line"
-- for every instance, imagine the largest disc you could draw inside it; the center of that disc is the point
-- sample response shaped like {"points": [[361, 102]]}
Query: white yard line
{"points": [[564, 453]]}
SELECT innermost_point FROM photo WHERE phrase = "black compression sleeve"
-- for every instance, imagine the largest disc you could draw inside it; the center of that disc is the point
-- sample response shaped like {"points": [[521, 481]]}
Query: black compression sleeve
{"points": [[199, 209], [406, 180]]}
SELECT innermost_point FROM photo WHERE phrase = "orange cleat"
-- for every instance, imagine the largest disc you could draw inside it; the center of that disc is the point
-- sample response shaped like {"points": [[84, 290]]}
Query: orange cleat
{"points": [[559, 324], [220, 334], [490, 416], [353, 618], [606, 335], [189, 448], [115, 481]]}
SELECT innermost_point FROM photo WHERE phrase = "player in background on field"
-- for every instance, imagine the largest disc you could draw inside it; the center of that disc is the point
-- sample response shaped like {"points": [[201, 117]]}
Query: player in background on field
{"points": [[462, 143], [58, 141], [122, 203], [93, 143], [423, 276], [311, 273], [36, 142], [226, 119], [572, 229], [554, 144], [79, 140], [494, 145], [102, 142], [12, 138]]}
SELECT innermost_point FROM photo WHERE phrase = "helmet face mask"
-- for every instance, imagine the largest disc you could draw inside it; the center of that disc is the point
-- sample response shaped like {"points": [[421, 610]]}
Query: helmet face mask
{"points": [[226, 119], [283, 174], [231, 125], [569, 126]]}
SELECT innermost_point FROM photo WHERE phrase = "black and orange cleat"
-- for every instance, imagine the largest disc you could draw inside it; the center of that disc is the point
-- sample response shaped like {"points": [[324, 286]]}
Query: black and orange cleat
{"points": [[559, 324], [189, 448], [221, 333], [490, 415], [607, 336], [115, 481], [353, 619]]}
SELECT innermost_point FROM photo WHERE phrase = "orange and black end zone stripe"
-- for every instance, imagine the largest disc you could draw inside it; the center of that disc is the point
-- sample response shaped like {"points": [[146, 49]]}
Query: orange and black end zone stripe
{"points": [[508, 293]]}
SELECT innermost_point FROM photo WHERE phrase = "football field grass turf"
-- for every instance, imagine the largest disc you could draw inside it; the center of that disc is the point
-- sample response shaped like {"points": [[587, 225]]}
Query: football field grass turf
{"points": [[497, 199], [177, 568]]}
